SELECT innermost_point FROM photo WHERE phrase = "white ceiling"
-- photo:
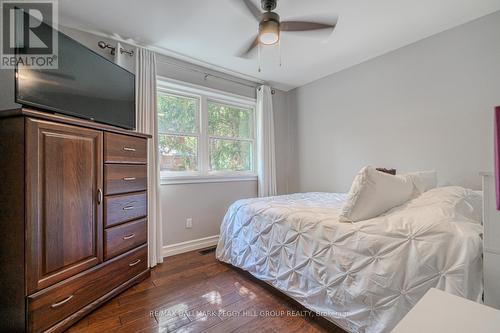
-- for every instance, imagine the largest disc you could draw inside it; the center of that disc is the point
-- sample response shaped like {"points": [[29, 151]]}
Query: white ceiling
{"points": [[212, 31]]}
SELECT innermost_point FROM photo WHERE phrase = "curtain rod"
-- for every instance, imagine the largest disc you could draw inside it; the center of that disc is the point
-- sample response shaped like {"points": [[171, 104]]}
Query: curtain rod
{"points": [[131, 53], [104, 45], [207, 75]]}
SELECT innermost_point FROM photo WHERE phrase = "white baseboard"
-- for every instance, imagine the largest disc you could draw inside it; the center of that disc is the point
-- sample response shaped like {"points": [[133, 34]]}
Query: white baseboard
{"points": [[192, 245]]}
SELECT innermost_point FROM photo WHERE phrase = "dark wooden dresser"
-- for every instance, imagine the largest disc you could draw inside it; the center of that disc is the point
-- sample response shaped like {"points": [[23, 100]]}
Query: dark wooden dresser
{"points": [[73, 218]]}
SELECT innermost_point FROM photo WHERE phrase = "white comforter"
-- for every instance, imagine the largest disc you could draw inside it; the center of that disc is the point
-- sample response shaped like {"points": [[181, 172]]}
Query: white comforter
{"points": [[363, 276]]}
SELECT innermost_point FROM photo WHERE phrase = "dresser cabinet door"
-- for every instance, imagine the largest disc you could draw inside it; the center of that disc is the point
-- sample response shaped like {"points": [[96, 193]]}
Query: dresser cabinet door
{"points": [[64, 201]]}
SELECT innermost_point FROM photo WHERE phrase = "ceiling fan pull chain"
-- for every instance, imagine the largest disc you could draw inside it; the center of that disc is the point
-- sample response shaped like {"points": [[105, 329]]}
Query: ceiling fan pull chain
{"points": [[279, 45], [259, 57]]}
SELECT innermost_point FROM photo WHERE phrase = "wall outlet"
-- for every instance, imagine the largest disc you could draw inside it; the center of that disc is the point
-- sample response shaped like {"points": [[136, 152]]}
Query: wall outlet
{"points": [[189, 223]]}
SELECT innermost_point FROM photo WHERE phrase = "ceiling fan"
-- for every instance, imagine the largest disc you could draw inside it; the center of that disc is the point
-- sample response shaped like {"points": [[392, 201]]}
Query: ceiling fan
{"points": [[270, 25]]}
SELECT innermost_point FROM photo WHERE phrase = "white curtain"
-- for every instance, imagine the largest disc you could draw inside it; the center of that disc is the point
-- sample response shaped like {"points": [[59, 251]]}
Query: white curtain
{"points": [[266, 169], [147, 123]]}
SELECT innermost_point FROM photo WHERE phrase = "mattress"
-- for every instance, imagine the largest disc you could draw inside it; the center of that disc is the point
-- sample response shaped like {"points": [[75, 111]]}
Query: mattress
{"points": [[363, 276]]}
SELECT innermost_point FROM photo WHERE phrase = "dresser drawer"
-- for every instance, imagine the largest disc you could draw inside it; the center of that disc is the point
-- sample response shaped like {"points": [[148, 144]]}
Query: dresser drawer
{"points": [[124, 207], [122, 238], [49, 306], [125, 178], [124, 149]]}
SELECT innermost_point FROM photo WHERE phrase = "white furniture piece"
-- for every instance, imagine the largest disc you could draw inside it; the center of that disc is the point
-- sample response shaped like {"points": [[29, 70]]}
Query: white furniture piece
{"points": [[441, 312], [491, 243]]}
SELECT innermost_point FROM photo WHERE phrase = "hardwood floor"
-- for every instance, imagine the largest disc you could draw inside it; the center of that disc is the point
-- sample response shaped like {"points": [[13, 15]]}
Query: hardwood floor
{"points": [[193, 292]]}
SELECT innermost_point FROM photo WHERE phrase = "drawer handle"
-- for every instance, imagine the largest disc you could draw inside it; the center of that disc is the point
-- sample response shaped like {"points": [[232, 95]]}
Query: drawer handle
{"points": [[64, 301], [128, 236], [128, 208], [128, 179], [129, 149], [99, 196], [135, 262]]}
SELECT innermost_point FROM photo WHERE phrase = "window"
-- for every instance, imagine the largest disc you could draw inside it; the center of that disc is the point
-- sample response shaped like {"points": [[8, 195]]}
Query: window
{"points": [[178, 132], [204, 134], [230, 131]]}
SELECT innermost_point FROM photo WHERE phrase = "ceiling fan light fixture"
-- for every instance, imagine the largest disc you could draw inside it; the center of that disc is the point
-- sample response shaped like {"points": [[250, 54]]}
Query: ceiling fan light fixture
{"points": [[269, 33], [269, 28]]}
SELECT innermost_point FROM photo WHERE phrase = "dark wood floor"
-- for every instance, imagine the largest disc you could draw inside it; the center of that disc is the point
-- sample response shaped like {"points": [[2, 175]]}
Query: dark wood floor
{"points": [[192, 292]]}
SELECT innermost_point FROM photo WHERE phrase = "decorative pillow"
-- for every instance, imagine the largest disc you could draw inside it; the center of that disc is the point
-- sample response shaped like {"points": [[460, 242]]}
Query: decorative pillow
{"points": [[423, 180], [373, 193]]}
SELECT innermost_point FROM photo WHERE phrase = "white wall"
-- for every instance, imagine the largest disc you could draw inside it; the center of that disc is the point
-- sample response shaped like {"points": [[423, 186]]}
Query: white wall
{"points": [[282, 140], [205, 203], [425, 106]]}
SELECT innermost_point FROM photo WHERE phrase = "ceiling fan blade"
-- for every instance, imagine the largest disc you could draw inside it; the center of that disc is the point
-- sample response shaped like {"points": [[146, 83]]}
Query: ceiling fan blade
{"points": [[246, 51], [304, 26], [250, 8]]}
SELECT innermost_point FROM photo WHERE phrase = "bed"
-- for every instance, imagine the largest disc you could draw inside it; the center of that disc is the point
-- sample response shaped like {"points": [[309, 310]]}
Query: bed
{"points": [[363, 276]]}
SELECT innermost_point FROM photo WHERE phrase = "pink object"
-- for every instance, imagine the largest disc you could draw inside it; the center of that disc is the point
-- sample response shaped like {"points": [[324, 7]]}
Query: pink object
{"points": [[497, 154]]}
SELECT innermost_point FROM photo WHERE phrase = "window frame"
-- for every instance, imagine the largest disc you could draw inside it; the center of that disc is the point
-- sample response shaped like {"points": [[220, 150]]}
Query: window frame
{"points": [[204, 95]]}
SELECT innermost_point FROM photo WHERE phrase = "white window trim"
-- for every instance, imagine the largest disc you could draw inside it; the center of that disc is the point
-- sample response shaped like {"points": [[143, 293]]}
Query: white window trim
{"points": [[206, 179], [204, 94]]}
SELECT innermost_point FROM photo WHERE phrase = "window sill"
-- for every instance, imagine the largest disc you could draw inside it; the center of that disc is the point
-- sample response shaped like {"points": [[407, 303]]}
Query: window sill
{"points": [[206, 179]]}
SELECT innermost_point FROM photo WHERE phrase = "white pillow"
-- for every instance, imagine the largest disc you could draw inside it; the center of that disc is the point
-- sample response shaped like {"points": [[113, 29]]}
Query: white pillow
{"points": [[373, 193], [423, 180]]}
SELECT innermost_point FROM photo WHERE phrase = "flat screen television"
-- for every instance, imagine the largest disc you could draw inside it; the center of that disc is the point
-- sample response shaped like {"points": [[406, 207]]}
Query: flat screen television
{"points": [[86, 85]]}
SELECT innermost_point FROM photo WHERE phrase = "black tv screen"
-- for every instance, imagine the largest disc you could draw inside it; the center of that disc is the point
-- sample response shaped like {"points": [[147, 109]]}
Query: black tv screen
{"points": [[85, 85]]}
